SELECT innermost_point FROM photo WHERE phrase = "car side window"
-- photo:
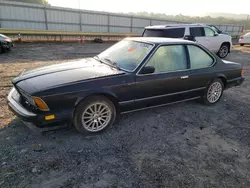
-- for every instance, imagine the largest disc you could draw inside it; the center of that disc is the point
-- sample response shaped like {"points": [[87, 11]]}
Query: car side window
{"points": [[168, 59], [174, 33], [209, 32], [197, 31], [199, 58], [169, 32]]}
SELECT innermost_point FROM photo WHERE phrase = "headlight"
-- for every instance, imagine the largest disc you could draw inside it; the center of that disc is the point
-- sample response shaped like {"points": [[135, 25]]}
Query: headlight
{"points": [[28, 98], [35, 101]]}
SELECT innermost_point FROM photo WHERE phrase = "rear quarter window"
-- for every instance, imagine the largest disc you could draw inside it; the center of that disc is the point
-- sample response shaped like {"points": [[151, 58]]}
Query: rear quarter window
{"points": [[168, 33], [199, 58]]}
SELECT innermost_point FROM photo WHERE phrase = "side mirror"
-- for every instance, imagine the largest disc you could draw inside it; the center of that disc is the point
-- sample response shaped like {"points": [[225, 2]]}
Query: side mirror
{"points": [[147, 70], [189, 37], [215, 34]]}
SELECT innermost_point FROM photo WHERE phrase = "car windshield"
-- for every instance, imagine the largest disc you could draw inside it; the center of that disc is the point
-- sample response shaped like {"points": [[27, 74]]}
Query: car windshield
{"points": [[247, 35], [126, 54]]}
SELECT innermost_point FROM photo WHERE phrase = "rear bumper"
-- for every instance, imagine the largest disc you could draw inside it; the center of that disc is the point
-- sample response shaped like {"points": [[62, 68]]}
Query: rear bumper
{"points": [[235, 82], [240, 81], [244, 41], [37, 119]]}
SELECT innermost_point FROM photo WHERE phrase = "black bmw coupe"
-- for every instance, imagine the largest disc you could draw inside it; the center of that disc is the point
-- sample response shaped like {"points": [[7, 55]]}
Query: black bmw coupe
{"points": [[134, 74]]}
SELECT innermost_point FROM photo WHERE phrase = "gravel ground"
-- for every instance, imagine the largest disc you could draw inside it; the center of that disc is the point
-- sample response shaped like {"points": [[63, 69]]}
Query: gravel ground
{"points": [[182, 145]]}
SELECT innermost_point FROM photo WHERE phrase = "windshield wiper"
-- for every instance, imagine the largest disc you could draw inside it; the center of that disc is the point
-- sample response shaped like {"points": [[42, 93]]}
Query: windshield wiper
{"points": [[97, 58], [112, 63]]}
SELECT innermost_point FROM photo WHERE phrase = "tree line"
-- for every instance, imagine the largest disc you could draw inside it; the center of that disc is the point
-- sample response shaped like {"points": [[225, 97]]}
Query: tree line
{"points": [[196, 19]]}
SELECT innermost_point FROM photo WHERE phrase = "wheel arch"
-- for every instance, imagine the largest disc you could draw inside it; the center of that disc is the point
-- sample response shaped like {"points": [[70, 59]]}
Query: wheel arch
{"points": [[229, 45], [219, 76], [224, 80], [111, 96]]}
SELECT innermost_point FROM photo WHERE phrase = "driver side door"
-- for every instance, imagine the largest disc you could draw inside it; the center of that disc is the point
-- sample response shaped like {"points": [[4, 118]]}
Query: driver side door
{"points": [[169, 81]]}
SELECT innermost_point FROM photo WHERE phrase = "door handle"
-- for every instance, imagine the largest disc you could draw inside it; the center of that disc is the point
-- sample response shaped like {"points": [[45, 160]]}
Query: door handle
{"points": [[184, 77]]}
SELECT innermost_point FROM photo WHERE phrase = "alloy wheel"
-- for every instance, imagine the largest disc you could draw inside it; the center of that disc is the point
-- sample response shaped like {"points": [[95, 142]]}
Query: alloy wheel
{"points": [[223, 51], [96, 117], [214, 92]]}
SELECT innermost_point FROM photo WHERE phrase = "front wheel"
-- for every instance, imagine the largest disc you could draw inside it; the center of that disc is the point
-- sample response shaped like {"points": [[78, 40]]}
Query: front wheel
{"points": [[94, 115], [213, 92], [223, 51]]}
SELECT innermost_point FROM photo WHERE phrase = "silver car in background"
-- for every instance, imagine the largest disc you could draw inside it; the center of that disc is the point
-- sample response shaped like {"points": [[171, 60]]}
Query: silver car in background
{"points": [[244, 39]]}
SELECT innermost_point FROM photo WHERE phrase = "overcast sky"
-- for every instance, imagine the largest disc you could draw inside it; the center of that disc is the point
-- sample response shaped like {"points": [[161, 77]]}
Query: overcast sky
{"points": [[185, 7]]}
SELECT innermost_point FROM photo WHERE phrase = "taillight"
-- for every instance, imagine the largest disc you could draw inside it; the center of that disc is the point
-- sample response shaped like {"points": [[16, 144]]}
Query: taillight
{"points": [[241, 72], [241, 37]]}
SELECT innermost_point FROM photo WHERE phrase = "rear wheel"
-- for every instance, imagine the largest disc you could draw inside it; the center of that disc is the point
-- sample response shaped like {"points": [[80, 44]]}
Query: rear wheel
{"points": [[213, 92], [223, 51], [241, 44], [94, 115]]}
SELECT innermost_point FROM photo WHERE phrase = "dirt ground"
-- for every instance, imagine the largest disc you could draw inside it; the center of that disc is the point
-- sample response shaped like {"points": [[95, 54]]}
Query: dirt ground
{"points": [[183, 145]]}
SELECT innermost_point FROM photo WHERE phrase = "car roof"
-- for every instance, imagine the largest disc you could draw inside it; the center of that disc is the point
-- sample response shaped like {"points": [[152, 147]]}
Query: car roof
{"points": [[173, 25], [160, 40]]}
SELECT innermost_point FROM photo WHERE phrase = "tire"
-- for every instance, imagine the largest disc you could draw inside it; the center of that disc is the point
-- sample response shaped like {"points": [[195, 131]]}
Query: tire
{"points": [[241, 44], [88, 119], [1, 50], [215, 94], [223, 51]]}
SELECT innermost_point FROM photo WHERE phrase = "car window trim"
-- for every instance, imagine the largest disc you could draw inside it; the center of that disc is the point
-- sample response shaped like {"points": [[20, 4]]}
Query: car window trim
{"points": [[145, 63], [206, 51], [188, 56]]}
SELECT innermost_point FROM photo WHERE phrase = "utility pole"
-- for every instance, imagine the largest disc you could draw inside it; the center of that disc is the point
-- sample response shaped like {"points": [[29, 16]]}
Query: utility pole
{"points": [[247, 24], [79, 4]]}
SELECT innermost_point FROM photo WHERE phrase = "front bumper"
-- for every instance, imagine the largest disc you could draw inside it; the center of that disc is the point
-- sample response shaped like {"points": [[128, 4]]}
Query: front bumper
{"points": [[7, 45], [18, 109], [37, 119]]}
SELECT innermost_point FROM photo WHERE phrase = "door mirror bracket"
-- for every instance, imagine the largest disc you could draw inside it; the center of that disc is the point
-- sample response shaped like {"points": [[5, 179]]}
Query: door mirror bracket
{"points": [[147, 70]]}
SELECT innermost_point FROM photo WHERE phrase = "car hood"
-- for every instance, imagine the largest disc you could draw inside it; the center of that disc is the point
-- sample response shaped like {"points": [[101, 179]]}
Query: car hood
{"points": [[6, 38], [225, 35], [65, 73]]}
